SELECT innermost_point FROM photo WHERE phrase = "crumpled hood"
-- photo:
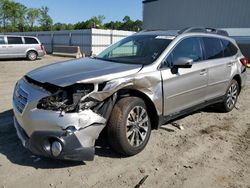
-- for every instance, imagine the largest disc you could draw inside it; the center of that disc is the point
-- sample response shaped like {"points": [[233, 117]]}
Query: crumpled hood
{"points": [[86, 70]]}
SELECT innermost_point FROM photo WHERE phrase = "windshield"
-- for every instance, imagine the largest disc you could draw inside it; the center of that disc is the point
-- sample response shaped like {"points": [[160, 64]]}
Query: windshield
{"points": [[136, 49]]}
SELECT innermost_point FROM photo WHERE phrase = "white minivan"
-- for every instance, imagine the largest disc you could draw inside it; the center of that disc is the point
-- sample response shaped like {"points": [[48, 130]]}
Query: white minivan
{"points": [[20, 47]]}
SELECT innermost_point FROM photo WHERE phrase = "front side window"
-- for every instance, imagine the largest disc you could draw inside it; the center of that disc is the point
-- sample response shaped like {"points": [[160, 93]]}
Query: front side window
{"points": [[15, 40], [128, 49], [137, 49], [187, 48], [229, 49], [29, 40], [213, 48], [2, 40]]}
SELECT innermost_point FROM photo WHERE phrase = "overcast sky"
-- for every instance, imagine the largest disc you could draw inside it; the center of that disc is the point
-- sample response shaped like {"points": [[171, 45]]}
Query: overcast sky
{"points": [[72, 11]]}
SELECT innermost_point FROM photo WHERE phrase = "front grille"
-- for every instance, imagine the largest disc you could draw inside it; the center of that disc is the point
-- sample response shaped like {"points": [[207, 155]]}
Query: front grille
{"points": [[20, 98]]}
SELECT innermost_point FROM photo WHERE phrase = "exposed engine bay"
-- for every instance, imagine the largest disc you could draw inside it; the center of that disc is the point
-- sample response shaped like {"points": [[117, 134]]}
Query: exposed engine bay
{"points": [[72, 98], [66, 99]]}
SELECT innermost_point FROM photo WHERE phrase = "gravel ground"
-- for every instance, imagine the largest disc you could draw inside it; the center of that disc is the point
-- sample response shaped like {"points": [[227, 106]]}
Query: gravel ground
{"points": [[213, 150]]}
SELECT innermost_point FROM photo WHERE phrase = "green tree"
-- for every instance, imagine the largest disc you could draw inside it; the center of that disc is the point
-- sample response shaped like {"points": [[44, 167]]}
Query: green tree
{"points": [[127, 24], [20, 12], [12, 15], [113, 25], [16, 17], [33, 15], [95, 22], [45, 20], [80, 25], [137, 26], [5, 12], [70, 27]]}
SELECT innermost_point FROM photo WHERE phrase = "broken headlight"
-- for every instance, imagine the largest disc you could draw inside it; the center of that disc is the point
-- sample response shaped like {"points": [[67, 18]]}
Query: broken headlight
{"points": [[65, 99]]}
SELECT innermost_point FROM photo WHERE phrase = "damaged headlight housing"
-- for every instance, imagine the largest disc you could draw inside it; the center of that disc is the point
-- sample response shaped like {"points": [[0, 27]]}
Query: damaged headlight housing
{"points": [[65, 99]]}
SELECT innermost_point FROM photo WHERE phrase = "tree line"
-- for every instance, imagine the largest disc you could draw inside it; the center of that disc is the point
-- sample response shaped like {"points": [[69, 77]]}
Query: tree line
{"points": [[15, 17]]}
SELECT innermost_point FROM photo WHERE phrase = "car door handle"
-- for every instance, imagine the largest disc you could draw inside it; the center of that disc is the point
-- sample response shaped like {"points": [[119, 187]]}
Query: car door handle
{"points": [[203, 72]]}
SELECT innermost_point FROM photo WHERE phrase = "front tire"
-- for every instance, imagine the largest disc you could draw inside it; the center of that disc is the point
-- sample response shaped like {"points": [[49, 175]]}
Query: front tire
{"points": [[129, 127], [231, 97]]}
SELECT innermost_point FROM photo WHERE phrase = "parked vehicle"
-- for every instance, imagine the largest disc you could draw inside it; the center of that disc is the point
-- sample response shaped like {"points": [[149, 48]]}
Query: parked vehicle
{"points": [[20, 47], [135, 85]]}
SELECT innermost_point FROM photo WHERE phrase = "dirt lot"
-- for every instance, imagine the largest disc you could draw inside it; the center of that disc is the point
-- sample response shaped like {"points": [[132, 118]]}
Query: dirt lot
{"points": [[213, 150]]}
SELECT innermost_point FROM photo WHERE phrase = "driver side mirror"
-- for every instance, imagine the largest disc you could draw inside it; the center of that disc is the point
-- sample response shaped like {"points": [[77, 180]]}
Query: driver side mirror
{"points": [[181, 62]]}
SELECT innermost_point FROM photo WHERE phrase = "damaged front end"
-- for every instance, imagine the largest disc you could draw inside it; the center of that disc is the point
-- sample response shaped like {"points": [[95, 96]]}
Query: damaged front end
{"points": [[65, 122]]}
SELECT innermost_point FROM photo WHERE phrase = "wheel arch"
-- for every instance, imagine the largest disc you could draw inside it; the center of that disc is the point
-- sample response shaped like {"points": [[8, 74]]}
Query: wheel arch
{"points": [[238, 79], [31, 50], [154, 117]]}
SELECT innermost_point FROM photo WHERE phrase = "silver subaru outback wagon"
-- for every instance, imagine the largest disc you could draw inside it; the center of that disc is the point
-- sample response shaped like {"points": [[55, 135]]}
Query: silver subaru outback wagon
{"points": [[20, 47], [135, 85]]}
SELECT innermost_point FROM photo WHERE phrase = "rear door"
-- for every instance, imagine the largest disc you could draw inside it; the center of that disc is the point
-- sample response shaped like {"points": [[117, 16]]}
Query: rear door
{"points": [[188, 87], [15, 47], [220, 67], [31, 43]]}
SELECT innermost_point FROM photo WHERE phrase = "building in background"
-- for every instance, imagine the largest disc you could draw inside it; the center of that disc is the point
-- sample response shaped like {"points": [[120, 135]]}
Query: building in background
{"points": [[177, 14], [231, 15]]}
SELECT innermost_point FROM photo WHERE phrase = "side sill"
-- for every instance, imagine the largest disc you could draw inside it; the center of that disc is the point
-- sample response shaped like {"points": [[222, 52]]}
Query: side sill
{"points": [[168, 118]]}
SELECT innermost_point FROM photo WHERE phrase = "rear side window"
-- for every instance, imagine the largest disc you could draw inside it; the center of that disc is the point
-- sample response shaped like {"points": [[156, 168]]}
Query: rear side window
{"points": [[229, 48], [189, 47], [15, 40], [213, 48], [29, 40], [2, 40]]}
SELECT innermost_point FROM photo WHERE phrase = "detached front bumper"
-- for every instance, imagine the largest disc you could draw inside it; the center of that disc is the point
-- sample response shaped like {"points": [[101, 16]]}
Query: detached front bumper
{"points": [[71, 135], [40, 143]]}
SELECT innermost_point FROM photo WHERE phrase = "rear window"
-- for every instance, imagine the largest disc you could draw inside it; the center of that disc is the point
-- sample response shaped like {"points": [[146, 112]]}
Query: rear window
{"points": [[29, 40], [2, 40], [213, 48], [229, 48], [15, 40]]}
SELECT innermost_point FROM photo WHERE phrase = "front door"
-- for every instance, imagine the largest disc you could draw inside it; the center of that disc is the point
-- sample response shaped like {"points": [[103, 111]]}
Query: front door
{"points": [[188, 87]]}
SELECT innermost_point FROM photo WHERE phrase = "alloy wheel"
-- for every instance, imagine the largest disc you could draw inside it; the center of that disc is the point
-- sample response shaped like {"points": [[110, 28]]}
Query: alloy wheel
{"points": [[137, 126], [232, 96]]}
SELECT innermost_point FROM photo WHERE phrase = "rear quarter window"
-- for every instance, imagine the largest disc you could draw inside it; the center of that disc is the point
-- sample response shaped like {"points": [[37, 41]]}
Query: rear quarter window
{"points": [[213, 48], [229, 48], [29, 40], [15, 40]]}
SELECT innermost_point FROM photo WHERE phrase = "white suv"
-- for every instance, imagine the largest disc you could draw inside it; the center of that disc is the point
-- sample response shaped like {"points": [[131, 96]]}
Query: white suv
{"points": [[137, 84]]}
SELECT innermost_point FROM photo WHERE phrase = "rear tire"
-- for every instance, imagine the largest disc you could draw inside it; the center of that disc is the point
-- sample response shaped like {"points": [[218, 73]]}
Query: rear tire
{"points": [[32, 55], [231, 97], [129, 127]]}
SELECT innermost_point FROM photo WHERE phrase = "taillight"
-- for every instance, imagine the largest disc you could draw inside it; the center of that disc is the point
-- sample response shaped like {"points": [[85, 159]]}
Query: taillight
{"points": [[244, 61], [42, 47]]}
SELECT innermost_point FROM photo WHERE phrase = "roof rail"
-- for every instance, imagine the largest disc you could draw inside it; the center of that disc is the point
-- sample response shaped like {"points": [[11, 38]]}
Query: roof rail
{"points": [[203, 30]]}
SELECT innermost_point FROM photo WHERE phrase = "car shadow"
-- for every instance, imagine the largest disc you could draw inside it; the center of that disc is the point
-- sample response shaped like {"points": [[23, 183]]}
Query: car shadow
{"points": [[168, 126], [102, 147], [11, 147], [19, 59]]}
